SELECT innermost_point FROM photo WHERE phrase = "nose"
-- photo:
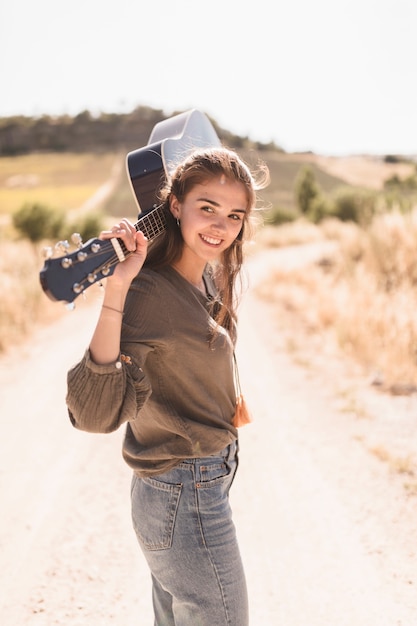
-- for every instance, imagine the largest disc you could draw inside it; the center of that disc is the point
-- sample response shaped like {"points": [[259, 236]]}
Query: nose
{"points": [[219, 224]]}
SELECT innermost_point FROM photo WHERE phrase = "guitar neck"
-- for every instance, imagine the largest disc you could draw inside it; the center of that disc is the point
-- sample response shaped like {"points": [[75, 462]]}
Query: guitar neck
{"points": [[152, 223]]}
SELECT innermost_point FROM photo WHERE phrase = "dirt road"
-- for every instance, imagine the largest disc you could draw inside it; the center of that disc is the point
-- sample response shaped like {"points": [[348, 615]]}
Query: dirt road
{"points": [[328, 530]]}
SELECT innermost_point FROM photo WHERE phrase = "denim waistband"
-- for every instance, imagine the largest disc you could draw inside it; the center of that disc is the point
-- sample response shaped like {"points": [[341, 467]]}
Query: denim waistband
{"points": [[228, 453]]}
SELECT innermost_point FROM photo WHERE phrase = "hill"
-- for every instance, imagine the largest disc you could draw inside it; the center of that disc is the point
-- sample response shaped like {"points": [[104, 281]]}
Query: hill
{"points": [[88, 133], [117, 134]]}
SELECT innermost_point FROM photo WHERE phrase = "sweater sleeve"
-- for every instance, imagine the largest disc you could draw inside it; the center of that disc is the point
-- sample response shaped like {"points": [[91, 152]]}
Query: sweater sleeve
{"points": [[102, 397]]}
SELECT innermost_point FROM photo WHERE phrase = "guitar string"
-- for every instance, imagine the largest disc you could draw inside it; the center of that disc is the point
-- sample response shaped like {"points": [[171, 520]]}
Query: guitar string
{"points": [[150, 231], [152, 224]]}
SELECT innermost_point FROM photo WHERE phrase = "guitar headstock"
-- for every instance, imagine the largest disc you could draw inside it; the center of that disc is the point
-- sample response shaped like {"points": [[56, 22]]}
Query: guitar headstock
{"points": [[71, 273], [66, 276]]}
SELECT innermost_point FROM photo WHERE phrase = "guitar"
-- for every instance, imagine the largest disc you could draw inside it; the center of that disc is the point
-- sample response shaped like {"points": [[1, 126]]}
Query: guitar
{"points": [[66, 277]]}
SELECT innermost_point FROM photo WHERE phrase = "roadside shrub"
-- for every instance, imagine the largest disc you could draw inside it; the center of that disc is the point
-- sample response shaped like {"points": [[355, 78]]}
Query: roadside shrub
{"points": [[89, 226], [280, 215], [321, 207], [38, 221], [395, 199], [393, 181], [354, 205], [407, 184]]}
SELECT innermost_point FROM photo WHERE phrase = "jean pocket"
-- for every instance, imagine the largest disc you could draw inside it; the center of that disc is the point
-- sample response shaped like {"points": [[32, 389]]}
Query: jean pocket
{"points": [[154, 509]]}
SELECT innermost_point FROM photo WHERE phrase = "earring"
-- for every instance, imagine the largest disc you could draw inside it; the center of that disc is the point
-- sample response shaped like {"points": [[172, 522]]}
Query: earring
{"points": [[178, 222]]}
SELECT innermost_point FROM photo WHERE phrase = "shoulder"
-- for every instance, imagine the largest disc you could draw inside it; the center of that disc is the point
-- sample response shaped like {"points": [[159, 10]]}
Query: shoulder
{"points": [[150, 283], [151, 290], [147, 303], [145, 279]]}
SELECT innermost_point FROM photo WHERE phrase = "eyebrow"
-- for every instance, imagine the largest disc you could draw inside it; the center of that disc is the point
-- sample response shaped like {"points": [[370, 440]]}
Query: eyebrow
{"points": [[216, 204]]}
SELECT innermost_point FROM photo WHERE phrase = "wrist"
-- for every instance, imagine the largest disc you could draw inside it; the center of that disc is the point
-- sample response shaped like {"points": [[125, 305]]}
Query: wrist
{"points": [[111, 308]]}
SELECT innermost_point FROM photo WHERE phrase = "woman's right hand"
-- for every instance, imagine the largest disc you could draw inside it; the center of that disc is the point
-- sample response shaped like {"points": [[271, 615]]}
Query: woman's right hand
{"points": [[136, 243]]}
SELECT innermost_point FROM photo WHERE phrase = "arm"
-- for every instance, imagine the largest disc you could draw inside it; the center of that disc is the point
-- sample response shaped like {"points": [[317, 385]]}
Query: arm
{"points": [[105, 343], [102, 393]]}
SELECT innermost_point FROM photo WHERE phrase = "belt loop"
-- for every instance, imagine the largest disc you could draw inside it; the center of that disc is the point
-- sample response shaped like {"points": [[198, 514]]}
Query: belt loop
{"points": [[233, 450]]}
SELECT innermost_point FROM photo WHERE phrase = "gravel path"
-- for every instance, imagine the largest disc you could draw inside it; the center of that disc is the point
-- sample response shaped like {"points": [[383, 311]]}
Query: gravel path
{"points": [[328, 530]]}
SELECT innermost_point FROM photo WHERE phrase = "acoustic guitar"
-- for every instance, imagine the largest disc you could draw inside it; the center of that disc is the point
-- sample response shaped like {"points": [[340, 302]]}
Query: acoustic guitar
{"points": [[64, 278]]}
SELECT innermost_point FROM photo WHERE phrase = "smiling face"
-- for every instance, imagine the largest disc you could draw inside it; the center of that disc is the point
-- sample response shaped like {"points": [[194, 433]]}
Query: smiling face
{"points": [[211, 217]]}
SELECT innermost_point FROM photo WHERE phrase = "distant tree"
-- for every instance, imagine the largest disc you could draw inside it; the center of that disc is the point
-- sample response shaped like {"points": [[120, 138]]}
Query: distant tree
{"points": [[306, 189]]}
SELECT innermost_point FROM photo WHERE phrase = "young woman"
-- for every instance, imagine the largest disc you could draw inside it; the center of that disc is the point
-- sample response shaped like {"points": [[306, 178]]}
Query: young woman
{"points": [[161, 360]]}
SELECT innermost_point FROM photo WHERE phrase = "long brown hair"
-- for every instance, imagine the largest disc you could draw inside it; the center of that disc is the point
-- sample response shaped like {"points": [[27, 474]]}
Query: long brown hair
{"points": [[200, 167]]}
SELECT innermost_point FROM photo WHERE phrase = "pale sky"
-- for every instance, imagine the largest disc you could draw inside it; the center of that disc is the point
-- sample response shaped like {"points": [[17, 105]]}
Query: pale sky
{"points": [[331, 76]]}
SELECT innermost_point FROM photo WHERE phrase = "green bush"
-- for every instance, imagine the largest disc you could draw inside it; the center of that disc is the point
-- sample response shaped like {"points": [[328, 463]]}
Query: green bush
{"points": [[320, 208], [306, 189], [393, 181], [280, 215], [89, 227], [355, 205], [39, 221], [403, 184]]}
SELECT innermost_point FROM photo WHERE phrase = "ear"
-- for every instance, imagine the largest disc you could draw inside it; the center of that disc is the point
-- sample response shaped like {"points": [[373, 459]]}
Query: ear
{"points": [[174, 206]]}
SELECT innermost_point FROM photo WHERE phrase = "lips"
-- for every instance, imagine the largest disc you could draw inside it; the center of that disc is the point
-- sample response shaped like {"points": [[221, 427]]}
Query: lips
{"points": [[213, 241]]}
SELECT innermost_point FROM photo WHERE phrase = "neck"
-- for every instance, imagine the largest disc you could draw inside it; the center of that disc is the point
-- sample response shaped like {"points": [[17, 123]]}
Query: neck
{"points": [[192, 277]]}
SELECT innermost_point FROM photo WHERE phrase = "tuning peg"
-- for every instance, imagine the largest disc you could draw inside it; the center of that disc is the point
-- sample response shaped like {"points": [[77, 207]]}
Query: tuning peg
{"points": [[76, 239], [62, 246], [47, 252]]}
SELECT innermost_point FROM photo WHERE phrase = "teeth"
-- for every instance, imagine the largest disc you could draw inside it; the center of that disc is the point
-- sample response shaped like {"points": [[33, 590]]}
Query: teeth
{"points": [[211, 240]]}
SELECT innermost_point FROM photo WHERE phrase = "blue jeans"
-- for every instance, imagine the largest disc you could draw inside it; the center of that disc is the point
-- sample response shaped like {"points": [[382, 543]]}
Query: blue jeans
{"points": [[183, 522]]}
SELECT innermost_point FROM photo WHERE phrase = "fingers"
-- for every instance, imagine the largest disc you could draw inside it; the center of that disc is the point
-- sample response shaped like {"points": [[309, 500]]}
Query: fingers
{"points": [[141, 240], [125, 231]]}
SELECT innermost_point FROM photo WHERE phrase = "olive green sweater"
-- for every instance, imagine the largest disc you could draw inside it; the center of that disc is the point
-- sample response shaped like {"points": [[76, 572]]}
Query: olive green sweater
{"points": [[172, 387]]}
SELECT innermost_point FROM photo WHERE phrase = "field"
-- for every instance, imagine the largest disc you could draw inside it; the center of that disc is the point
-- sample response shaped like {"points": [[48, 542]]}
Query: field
{"points": [[375, 271], [61, 180]]}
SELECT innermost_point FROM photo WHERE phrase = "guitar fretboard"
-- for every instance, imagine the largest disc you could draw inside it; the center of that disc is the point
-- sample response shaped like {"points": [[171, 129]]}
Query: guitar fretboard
{"points": [[152, 224]]}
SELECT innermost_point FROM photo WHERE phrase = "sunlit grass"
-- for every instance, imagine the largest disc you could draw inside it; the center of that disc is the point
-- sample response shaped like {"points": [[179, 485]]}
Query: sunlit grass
{"points": [[64, 180], [361, 299], [64, 197]]}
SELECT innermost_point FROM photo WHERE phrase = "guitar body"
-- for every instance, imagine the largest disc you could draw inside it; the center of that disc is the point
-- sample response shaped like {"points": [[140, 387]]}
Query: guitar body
{"points": [[169, 143], [66, 277]]}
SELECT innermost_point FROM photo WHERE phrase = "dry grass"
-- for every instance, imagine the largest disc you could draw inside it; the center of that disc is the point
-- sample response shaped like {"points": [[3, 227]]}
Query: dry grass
{"points": [[364, 171], [362, 299], [398, 465], [23, 303]]}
